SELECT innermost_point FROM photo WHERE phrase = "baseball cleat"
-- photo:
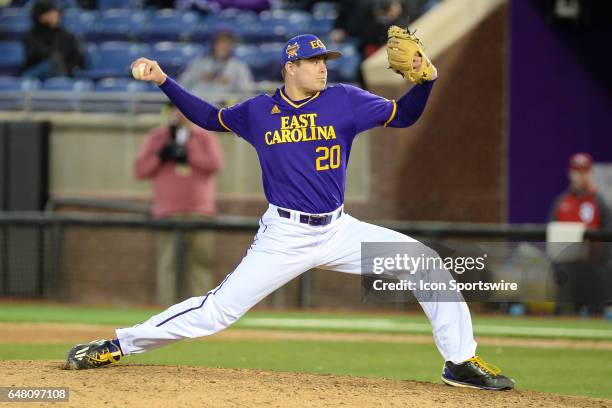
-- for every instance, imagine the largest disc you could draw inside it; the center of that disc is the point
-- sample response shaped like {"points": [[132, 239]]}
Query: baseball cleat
{"points": [[96, 354], [475, 373]]}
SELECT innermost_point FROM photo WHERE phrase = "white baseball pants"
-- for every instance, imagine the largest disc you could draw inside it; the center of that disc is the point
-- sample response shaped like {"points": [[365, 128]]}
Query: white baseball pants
{"points": [[282, 250]]}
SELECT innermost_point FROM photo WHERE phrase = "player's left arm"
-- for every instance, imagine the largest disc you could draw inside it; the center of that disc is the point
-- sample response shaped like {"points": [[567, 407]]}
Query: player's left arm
{"points": [[410, 106]]}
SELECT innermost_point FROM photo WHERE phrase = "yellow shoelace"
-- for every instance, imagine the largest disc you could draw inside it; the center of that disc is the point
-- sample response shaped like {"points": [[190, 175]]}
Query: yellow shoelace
{"points": [[490, 368], [107, 356]]}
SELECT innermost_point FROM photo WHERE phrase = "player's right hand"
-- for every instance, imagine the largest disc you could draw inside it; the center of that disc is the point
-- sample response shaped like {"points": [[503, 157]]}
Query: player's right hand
{"points": [[152, 71]]}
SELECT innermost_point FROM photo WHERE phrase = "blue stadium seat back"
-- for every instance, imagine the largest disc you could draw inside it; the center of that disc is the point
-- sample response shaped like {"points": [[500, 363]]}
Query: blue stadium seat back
{"points": [[67, 84], [289, 16], [239, 22], [10, 84], [321, 27], [174, 57], [14, 11], [348, 49], [176, 52], [12, 26], [325, 8], [271, 51], [116, 25], [113, 59], [11, 57], [11, 88], [90, 52], [115, 4], [167, 25], [79, 21], [347, 67], [246, 51], [280, 25], [110, 95], [249, 32], [266, 64], [69, 102], [120, 85], [230, 17], [73, 87]]}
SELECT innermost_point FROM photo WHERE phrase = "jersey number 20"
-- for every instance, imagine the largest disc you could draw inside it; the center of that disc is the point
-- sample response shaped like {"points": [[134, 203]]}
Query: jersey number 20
{"points": [[330, 159]]}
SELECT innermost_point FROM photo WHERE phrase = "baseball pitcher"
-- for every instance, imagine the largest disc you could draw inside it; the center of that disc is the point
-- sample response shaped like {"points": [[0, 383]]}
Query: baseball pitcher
{"points": [[303, 136]]}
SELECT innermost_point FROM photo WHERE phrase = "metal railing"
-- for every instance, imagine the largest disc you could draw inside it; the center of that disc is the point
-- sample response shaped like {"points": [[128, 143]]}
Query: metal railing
{"points": [[108, 101], [32, 243]]}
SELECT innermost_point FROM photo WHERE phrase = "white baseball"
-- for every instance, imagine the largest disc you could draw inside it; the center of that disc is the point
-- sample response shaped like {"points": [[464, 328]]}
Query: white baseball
{"points": [[138, 71]]}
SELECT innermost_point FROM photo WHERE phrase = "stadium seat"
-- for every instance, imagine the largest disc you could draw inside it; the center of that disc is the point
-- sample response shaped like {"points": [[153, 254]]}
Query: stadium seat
{"points": [[345, 69], [115, 4], [11, 92], [120, 85], [236, 21], [267, 65], [67, 84], [230, 17], [113, 95], [116, 25], [174, 57], [79, 21], [245, 51], [324, 8], [13, 24], [167, 25], [90, 51], [14, 11], [280, 25], [10, 84], [113, 59], [11, 57], [61, 102], [321, 27]]}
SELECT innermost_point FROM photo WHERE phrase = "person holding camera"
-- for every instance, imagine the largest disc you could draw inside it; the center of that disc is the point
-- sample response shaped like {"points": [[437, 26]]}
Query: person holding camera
{"points": [[182, 160]]}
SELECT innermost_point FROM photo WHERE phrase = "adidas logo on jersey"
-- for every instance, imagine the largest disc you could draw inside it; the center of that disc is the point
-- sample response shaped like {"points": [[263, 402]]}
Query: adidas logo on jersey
{"points": [[275, 110]]}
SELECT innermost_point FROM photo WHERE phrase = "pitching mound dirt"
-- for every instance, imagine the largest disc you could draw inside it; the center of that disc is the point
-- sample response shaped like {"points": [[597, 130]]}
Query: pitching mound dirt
{"points": [[133, 385]]}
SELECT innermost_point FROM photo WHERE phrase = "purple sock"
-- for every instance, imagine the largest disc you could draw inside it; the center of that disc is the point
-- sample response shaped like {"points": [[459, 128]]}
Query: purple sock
{"points": [[116, 343]]}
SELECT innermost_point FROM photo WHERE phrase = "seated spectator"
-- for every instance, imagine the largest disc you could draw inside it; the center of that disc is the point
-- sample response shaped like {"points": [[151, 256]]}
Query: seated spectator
{"points": [[219, 72], [50, 50]]}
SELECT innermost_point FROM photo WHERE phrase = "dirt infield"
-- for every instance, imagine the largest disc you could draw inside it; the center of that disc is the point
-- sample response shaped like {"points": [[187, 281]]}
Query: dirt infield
{"points": [[138, 385], [132, 385]]}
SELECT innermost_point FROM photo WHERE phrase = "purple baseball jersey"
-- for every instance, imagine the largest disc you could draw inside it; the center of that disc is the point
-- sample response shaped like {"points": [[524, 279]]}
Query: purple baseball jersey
{"points": [[304, 146]]}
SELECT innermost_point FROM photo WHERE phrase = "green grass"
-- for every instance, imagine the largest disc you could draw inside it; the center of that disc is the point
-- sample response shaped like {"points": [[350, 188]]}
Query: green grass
{"points": [[309, 321], [566, 371], [577, 372]]}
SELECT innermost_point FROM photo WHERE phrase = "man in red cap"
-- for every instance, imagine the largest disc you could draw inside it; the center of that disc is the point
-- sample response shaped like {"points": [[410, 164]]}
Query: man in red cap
{"points": [[581, 203], [581, 281]]}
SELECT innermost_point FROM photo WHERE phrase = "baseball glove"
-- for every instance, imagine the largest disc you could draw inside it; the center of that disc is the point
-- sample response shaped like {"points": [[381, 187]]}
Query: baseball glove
{"points": [[402, 47]]}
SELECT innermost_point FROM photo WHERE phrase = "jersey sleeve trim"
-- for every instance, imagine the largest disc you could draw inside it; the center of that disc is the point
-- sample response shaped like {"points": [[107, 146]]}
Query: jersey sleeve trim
{"points": [[393, 112], [223, 123]]}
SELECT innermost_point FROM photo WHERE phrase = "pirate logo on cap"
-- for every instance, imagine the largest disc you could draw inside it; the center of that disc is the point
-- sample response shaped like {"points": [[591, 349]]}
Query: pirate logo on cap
{"points": [[292, 50]]}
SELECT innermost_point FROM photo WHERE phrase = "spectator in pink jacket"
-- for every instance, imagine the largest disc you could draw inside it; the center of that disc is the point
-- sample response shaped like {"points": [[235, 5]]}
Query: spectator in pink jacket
{"points": [[182, 160]]}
